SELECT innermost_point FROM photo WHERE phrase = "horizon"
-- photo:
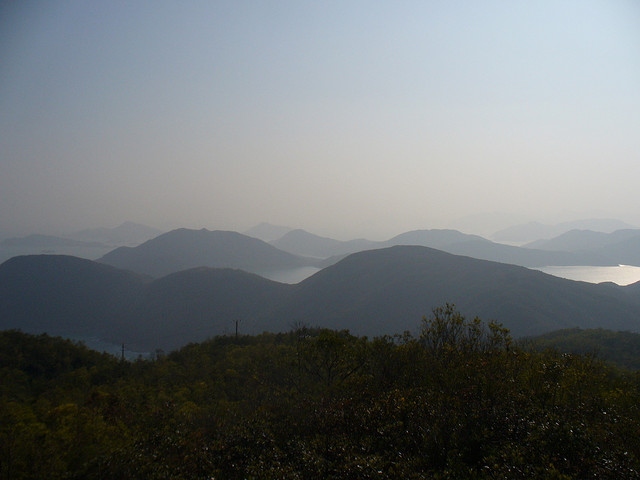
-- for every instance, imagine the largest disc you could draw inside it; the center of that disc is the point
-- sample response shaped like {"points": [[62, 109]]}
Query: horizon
{"points": [[348, 120], [604, 225]]}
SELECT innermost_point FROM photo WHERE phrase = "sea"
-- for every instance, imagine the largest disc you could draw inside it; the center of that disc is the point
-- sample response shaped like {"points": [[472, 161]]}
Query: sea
{"points": [[620, 275]]}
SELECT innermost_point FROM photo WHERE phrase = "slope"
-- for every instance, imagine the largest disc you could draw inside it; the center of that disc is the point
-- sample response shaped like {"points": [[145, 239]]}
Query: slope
{"points": [[301, 242], [192, 305], [389, 290], [183, 249], [376, 292], [65, 295], [619, 247]]}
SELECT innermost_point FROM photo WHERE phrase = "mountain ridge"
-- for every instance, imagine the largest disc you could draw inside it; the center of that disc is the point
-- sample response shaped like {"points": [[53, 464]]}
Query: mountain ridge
{"points": [[183, 249], [375, 292]]}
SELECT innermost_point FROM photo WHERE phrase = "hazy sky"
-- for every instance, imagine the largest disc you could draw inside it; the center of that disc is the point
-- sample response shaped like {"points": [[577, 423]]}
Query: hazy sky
{"points": [[346, 118]]}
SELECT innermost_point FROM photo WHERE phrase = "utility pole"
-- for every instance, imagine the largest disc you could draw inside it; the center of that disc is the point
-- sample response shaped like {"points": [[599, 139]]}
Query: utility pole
{"points": [[237, 321], [122, 358]]}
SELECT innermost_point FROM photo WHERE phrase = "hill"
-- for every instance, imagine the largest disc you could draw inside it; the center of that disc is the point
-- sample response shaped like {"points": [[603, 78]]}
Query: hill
{"points": [[619, 247], [128, 233], [452, 241], [301, 242], [619, 348], [195, 304], [458, 243], [385, 290], [460, 400], [372, 293], [528, 232], [183, 249], [267, 232], [65, 295], [46, 241]]}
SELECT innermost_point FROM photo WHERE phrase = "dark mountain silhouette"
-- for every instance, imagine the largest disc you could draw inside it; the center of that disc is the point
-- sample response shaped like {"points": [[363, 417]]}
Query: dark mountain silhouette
{"points": [[375, 292], [65, 295], [301, 242], [388, 289], [184, 249], [126, 234], [195, 304]]}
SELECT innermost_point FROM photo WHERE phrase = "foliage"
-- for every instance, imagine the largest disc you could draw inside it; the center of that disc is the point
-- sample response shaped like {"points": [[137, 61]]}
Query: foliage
{"points": [[621, 348], [458, 401]]}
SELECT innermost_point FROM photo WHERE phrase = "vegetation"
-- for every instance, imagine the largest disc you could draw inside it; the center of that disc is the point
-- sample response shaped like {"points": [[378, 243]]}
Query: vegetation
{"points": [[460, 400], [620, 348]]}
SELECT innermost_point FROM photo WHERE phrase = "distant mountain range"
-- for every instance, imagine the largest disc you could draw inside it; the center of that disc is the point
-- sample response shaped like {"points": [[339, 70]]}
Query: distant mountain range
{"points": [[621, 246], [89, 244], [528, 232], [184, 249], [47, 241], [145, 251], [382, 291], [451, 241], [267, 232], [301, 242], [128, 233]]}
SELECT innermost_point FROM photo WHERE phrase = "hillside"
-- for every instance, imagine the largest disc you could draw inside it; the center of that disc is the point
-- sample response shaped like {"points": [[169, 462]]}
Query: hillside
{"points": [[619, 348], [192, 305], [183, 249], [387, 289], [65, 295], [619, 247], [530, 232], [127, 233], [460, 400], [267, 232], [370, 293], [301, 242], [452, 241]]}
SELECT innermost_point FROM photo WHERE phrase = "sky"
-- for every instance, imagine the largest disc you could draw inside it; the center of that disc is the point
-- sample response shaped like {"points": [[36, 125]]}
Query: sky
{"points": [[345, 118]]}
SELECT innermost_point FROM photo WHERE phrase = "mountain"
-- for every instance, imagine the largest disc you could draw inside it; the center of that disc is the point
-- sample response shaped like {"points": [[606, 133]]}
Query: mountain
{"points": [[528, 232], [91, 244], [192, 305], [37, 244], [267, 232], [65, 295], [583, 240], [301, 242], [184, 249], [458, 243], [619, 247], [47, 241], [128, 233], [452, 241], [388, 289], [625, 252], [374, 292]]}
